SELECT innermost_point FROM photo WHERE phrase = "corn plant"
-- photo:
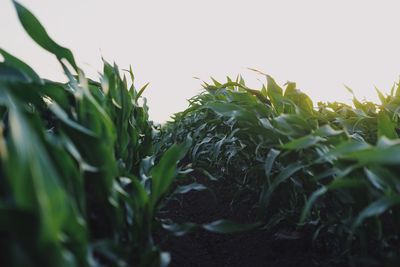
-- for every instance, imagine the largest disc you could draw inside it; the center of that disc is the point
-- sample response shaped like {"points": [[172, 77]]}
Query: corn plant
{"points": [[332, 168], [84, 172], [72, 191]]}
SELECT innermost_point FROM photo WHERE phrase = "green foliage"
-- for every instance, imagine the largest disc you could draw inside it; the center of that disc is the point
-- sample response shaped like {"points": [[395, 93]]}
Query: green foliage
{"points": [[73, 190], [333, 168], [84, 172]]}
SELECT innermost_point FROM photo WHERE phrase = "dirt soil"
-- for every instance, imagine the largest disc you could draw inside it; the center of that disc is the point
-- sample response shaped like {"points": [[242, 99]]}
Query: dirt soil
{"points": [[253, 249]]}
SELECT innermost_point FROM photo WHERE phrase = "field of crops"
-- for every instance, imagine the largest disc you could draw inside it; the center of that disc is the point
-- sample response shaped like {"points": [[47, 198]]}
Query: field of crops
{"points": [[242, 177]]}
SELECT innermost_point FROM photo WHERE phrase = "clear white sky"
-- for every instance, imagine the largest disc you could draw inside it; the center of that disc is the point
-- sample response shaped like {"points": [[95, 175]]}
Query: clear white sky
{"points": [[319, 44]]}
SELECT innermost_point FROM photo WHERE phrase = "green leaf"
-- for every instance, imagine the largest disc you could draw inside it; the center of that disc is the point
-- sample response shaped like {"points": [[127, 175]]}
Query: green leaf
{"points": [[269, 161], [14, 62], [374, 179], [341, 183], [180, 229], [386, 127], [327, 131], [11, 74], [232, 110], [60, 113], [310, 202], [33, 176], [141, 91], [303, 142], [376, 208], [349, 147], [165, 171], [285, 174], [184, 189], [382, 98], [275, 94], [38, 33], [376, 155], [228, 227]]}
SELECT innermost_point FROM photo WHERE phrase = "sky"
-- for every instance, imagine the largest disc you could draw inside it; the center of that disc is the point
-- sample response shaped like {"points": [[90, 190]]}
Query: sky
{"points": [[321, 45]]}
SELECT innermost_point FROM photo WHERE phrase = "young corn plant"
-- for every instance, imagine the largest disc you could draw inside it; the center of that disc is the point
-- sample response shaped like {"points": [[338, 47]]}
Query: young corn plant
{"points": [[71, 189], [331, 168]]}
